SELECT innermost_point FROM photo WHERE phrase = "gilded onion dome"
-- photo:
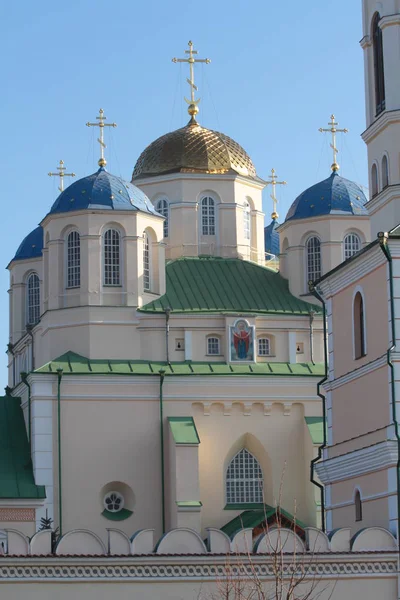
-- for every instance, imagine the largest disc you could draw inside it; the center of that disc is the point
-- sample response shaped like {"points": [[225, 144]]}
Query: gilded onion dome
{"points": [[193, 149]]}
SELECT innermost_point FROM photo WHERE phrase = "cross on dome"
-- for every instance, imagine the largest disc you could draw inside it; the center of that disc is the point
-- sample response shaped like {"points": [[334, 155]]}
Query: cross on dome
{"points": [[61, 175], [193, 108], [333, 130], [273, 177], [101, 124]]}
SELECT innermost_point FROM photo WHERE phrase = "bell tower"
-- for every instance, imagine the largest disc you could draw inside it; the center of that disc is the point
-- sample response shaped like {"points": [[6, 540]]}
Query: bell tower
{"points": [[381, 45]]}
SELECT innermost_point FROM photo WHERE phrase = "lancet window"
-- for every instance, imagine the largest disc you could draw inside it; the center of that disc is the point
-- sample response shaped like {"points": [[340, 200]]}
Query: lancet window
{"points": [[385, 171], [379, 74], [244, 479], [359, 326], [73, 260], [146, 262], [246, 220], [374, 180], [208, 216], [33, 299], [358, 506], [162, 207], [112, 257]]}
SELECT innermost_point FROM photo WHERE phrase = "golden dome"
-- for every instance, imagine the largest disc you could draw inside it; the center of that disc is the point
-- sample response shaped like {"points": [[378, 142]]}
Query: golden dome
{"points": [[193, 149]]}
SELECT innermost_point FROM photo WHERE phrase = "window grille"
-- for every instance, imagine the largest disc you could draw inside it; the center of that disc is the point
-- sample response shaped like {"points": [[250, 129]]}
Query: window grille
{"points": [[73, 260], [33, 299], [244, 479], [146, 263], [263, 347], [208, 216], [246, 220], [213, 345], [352, 244], [163, 208], [313, 259], [112, 257]]}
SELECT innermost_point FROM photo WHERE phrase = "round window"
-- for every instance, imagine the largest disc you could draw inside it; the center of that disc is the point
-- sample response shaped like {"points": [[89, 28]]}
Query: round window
{"points": [[113, 502]]}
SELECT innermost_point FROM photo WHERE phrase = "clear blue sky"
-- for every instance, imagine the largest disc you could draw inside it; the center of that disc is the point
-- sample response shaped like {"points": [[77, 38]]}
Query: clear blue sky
{"points": [[279, 69]]}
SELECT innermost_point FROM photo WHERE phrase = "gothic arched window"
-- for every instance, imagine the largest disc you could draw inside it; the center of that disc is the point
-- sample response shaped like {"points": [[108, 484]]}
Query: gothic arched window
{"points": [[73, 260], [246, 220], [313, 249], [352, 244], [112, 257], [162, 207], [33, 299], [358, 505], [208, 216], [378, 65], [359, 326], [385, 171], [244, 479], [374, 180]]}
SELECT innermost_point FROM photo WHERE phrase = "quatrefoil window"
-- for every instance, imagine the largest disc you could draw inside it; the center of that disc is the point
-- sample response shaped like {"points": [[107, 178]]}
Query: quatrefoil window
{"points": [[113, 502]]}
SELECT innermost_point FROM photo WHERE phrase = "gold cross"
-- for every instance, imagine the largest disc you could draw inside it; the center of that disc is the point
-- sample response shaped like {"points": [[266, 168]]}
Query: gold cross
{"points": [[193, 109], [333, 130], [61, 175], [274, 183], [101, 118]]}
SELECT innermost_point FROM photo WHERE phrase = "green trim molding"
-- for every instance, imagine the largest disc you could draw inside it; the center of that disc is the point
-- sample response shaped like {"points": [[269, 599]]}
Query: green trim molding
{"points": [[184, 430], [117, 516], [189, 503], [316, 428], [244, 506]]}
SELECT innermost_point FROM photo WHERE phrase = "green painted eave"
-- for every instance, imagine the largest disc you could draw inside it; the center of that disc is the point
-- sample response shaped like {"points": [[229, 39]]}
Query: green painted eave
{"points": [[226, 285], [249, 519], [316, 428], [74, 364], [16, 472], [189, 503], [184, 430]]}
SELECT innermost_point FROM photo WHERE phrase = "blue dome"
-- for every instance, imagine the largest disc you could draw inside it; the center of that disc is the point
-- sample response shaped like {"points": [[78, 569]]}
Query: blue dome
{"points": [[271, 238], [102, 191], [335, 195], [31, 246]]}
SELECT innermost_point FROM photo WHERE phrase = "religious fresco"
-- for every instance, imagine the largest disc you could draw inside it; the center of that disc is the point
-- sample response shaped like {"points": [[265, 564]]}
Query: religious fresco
{"points": [[241, 341]]}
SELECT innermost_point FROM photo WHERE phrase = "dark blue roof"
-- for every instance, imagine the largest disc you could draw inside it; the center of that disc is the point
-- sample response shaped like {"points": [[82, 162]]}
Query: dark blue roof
{"points": [[335, 195], [31, 246], [271, 238], [103, 191]]}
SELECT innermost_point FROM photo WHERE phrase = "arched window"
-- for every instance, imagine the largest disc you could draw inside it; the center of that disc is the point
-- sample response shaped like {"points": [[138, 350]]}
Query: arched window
{"points": [[112, 257], [374, 180], [244, 479], [162, 207], [352, 244], [246, 220], [358, 505], [73, 260], [264, 347], [146, 262], [33, 299], [385, 171], [359, 326], [208, 216], [313, 248], [378, 65], [213, 346]]}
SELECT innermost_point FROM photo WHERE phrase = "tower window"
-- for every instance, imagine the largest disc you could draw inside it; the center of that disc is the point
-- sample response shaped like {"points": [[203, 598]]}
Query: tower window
{"points": [[313, 248], [352, 244], [374, 180], [359, 326], [244, 479], [73, 260], [213, 346], [264, 347], [378, 65], [358, 505], [208, 216], [33, 299], [162, 207], [246, 220], [112, 257], [385, 171], [146, 262]]}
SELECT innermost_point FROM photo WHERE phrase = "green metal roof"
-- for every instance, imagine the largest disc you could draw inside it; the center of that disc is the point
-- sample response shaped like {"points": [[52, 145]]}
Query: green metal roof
{"points": [[72, 363], [184, 430], [316, 428], [254, 518], [210, 284], [16, 473]]}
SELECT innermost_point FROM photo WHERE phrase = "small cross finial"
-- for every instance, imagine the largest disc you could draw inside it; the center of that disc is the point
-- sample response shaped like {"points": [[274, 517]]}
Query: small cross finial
{"points": [[193, 108], [333, 129], [61, 174], [101, 118], [273, 177]]}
